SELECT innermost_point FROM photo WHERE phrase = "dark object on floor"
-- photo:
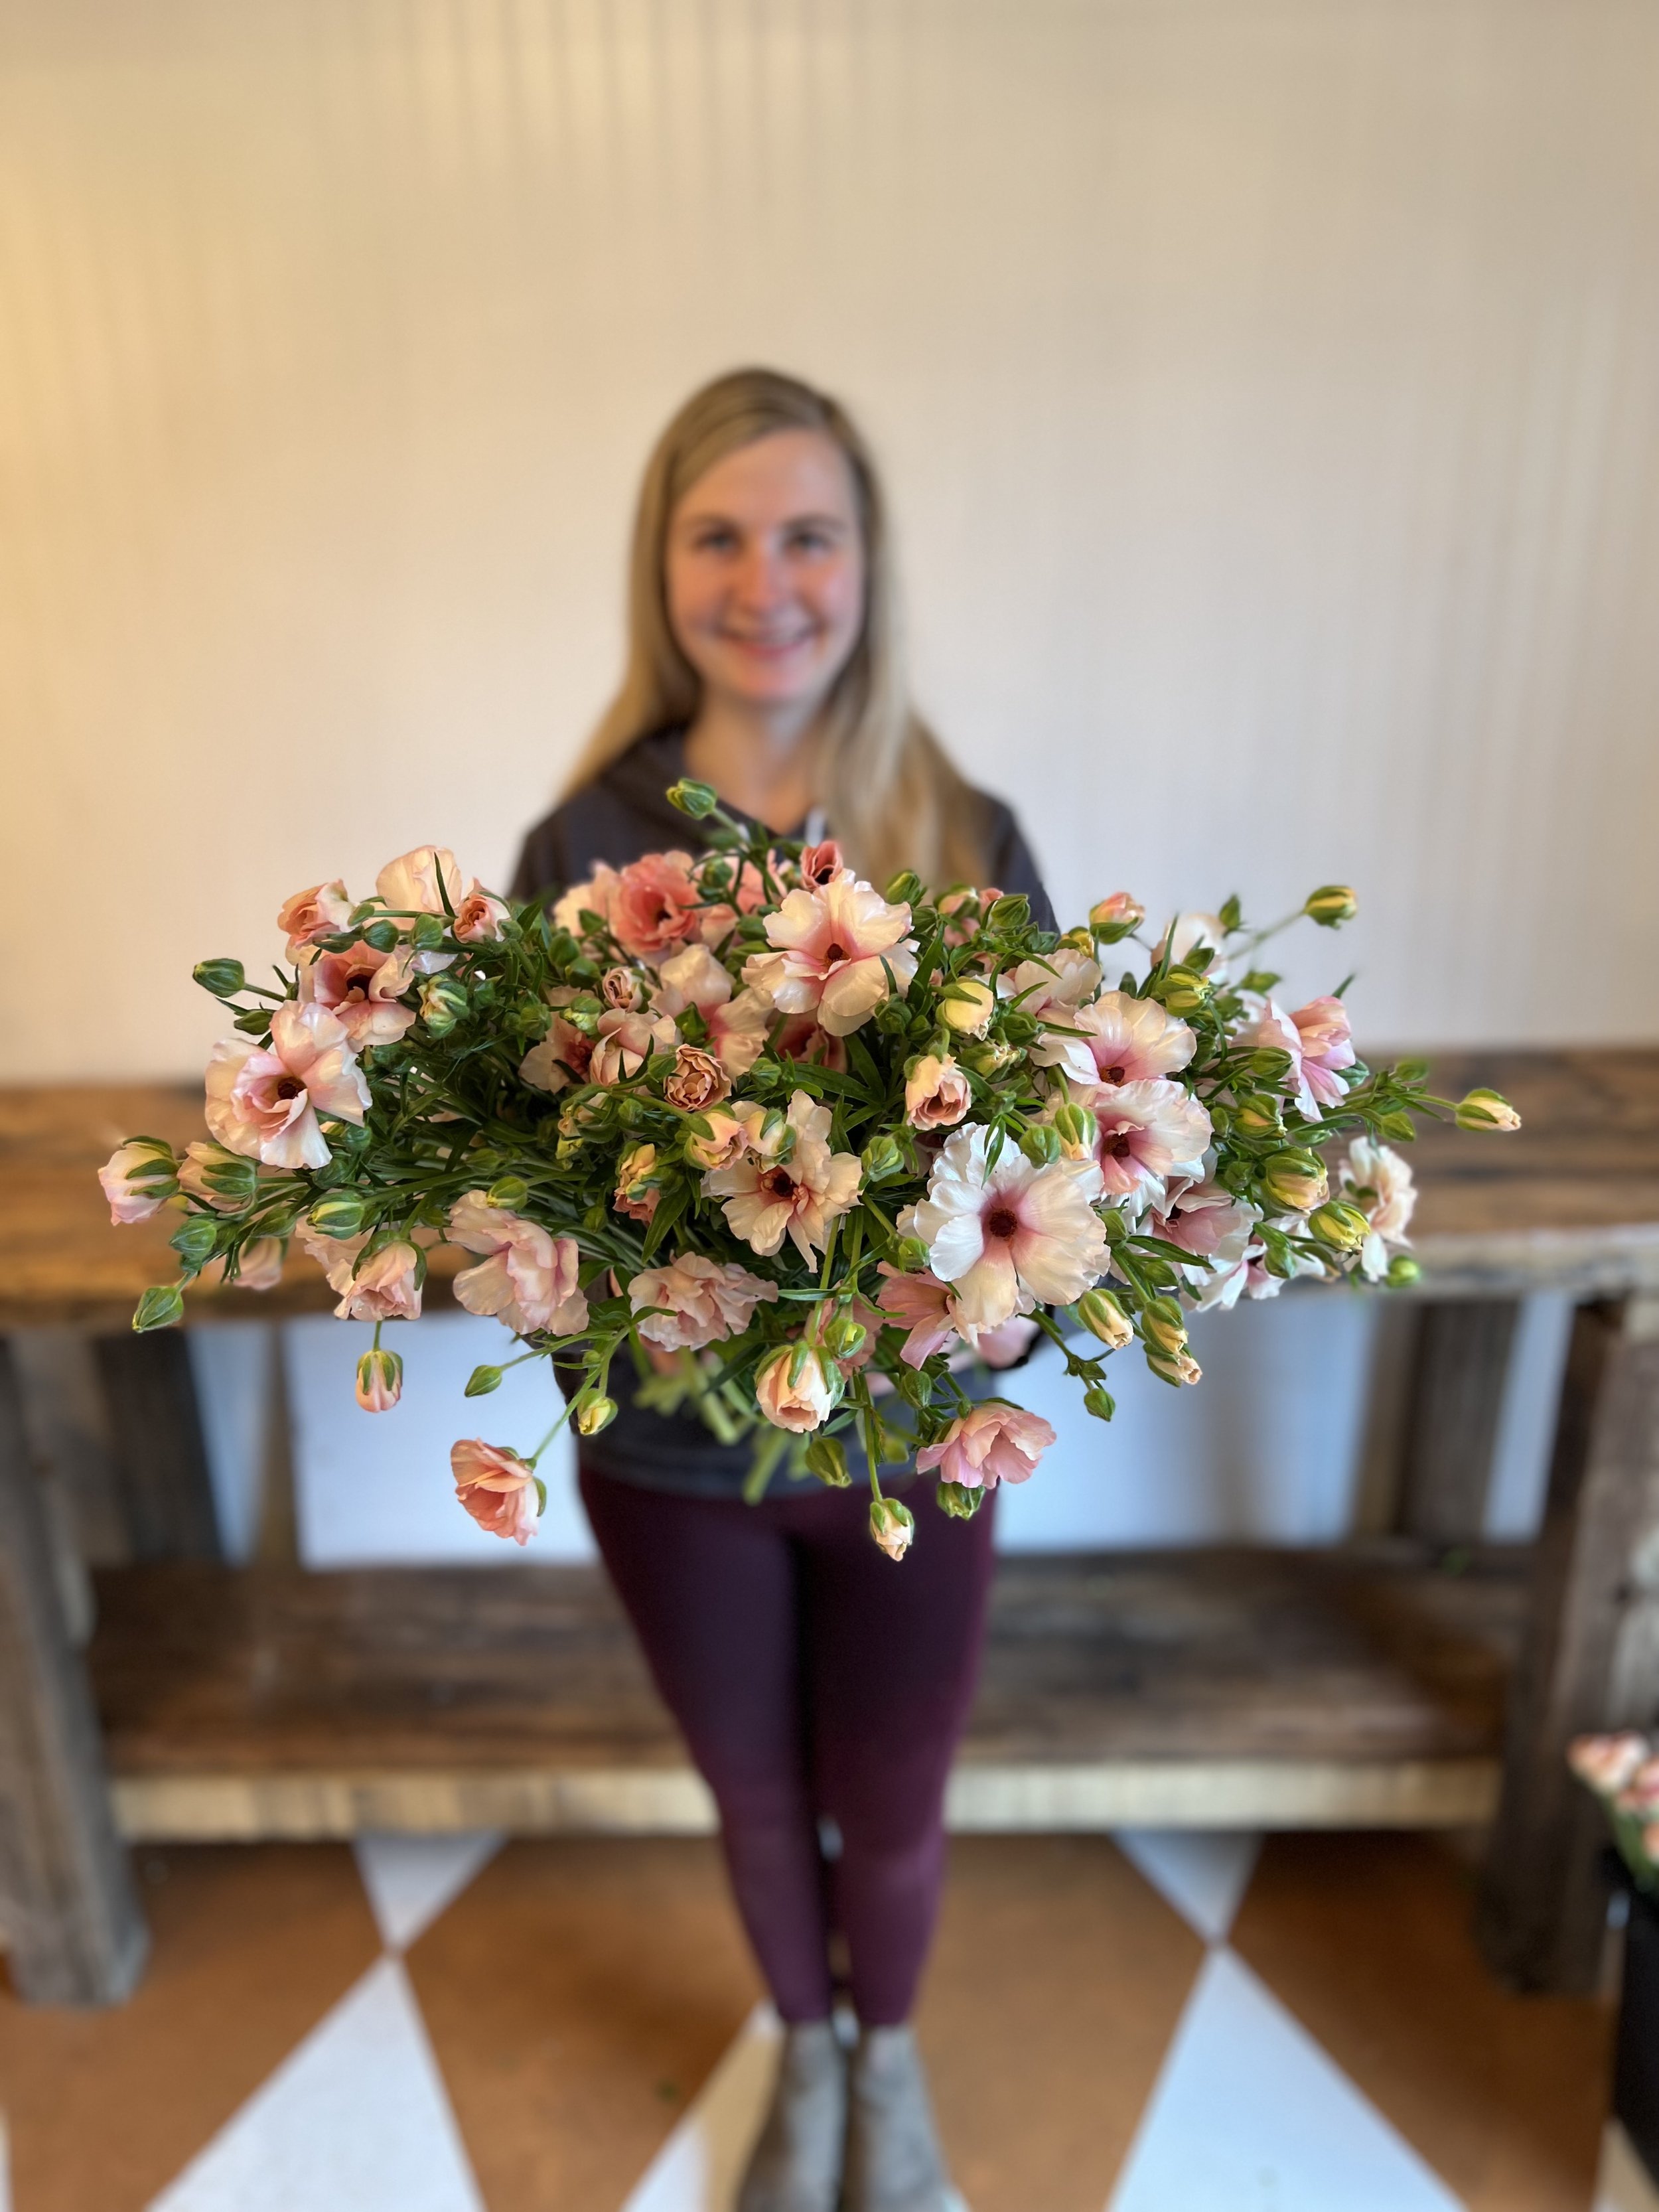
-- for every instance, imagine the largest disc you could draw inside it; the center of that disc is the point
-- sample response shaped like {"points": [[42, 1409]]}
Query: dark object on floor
{"points": [[1635, 2051]]}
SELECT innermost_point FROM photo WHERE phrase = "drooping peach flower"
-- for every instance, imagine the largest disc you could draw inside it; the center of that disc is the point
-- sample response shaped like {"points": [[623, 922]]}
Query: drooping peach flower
{"points": [[385, 1287], [834, 950], [937, 1093], [529, 1278], [654, 906], [1148, 1130], [322, 911], [408, 885], [923, 1305], [736, 1025], [796, 1387], [362, 988], [264, 1100], [1116, 916], [993, 1444], [379, 1380], [138, 1178], [705, 1300], [625, 1042], [1120, 1039], [1011, 1237], [497, 1488], [638, 1193], [1380, 1184], [1326, 1046], [797, 1196]]}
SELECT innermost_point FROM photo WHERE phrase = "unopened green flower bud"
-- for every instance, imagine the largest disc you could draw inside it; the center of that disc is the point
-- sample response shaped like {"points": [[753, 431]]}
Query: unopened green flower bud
{"points": [[1258, 1117], [1175, 1368], [1164, 1327], [845, 1338], [881, 1159], [1099, 1401], [1113, 1226], [826, 1458], [1339, 1225], [696, 800], [989, 1059], [1116, 917], [1102, 1316], [1020, 1029], [509, 1192], [194, 1239], [1181, 991], [482, 1381], [382, 935], [594, 1412], [1012, 911], [429, 932], [1397, 1126], [1403, 1271], [160, 1308], [1331, 905], [1295, 1181], [253, 1021], [906, 887], [1486, 1109], [1268, 1064], [912, 1255], [338, 1213], [892, 1525], [966, 1005], [1041, 1145], [960, 1500], [443, 1002], [1077, 1129], [223, 978], [379, 1380]]}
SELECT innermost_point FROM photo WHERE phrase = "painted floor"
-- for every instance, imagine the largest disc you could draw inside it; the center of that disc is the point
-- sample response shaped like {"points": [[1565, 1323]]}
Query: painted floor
{"points": [[1150, 2023]]}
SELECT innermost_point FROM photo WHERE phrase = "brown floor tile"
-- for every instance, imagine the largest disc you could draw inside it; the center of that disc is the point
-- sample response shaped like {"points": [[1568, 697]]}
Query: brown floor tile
{"points": [[252, 1945], [1367, 1940], [1055, 1986], [578, 1993]]}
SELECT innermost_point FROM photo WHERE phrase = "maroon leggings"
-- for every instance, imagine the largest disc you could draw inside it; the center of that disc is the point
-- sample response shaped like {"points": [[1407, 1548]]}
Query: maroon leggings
{"points": [[816, 1680]]}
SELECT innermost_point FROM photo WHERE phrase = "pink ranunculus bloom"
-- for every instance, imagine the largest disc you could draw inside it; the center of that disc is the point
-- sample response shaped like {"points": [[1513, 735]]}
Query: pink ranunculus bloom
{"points": [[1376, 1179], [497, 1488], [264, 1100], [625, 1042], [937, 1093], [385, 1287], [322, 911], [654, 907], [410, 885], [1606, 1762], [133, 1194], [834, 951], [622, 989], [737, 1026], [1148, 1130], [637, 1195], [479, 916], [362, 988], [1209, 1222], [796, 1387], [993, 1444], [800, 1037], [1119, 1039], [597, 896], [705, 1300], [564, 1055], [1053, 987], [821, 864], [1013, 1237], [923, 1305], [1327, 1048], [764, 1201], [529, 1279]]}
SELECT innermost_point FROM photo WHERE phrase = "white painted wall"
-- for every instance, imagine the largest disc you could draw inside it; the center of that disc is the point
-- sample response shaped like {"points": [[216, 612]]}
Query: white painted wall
{"points": [[1270, 392]]}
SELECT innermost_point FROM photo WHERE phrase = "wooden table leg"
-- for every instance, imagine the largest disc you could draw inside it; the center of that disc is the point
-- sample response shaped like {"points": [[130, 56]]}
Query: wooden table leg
{"points": [[1591, 1657], [160, 1456], [1461, 1367], [73, 1930]]}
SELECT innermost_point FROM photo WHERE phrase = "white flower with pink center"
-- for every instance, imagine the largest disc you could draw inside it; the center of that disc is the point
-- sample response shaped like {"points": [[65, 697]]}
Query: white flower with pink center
{"points": [[1148, 1131], [797, 1196], [362, 987], [1117, 1039], [263, 1101], [737, 1026], [529, 1279], [700, 1301], [836, 949], [1209, 1222], [1010, 1236], [1380, 1183]]}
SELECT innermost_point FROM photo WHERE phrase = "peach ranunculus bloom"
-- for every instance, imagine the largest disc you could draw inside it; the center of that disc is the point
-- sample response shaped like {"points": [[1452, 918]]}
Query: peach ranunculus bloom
{"points": [[834, 950], [138, 1178], [1123, 1040], [497, 1488], [408, 885], [322, 911], [263, 1101], [479, 916], [798, 1387], [528, 1278], [937, 1093], [797, 1196], [721, 1134], [625, 1042], [597, 896], [1380, 1183], [654, 906], [1013, 1237], [385, 1287], [637, 1195], [736, 1025], [993, 1444], [1148, 1131], [705, 1300], [361, 988], [564, 1055], [697, 1081], [1326, 1046]]}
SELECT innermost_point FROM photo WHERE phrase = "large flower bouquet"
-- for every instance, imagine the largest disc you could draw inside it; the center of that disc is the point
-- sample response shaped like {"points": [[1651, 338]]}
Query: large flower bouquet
{"points": [[798, 1151]]}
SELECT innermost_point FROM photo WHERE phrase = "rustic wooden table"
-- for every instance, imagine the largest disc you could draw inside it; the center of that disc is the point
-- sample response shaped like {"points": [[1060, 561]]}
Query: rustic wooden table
{"points": [[1414, 1677]]}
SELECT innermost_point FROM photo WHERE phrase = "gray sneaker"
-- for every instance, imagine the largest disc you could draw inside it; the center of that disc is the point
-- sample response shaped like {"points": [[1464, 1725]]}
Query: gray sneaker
{"points": [[894, 2163], [795, 2165]]}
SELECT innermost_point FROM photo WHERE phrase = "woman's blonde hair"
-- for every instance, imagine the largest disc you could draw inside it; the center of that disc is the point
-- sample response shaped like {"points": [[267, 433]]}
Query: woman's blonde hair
{"points": [[893, 799]]}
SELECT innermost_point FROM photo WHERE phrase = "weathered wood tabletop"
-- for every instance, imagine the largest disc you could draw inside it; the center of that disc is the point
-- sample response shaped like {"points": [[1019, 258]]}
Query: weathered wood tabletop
{"points": [[1569, 1202]]}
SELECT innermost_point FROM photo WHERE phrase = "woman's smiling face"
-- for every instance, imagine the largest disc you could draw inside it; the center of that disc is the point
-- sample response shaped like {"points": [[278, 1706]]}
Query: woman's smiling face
{"points": [[764, 572]]}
